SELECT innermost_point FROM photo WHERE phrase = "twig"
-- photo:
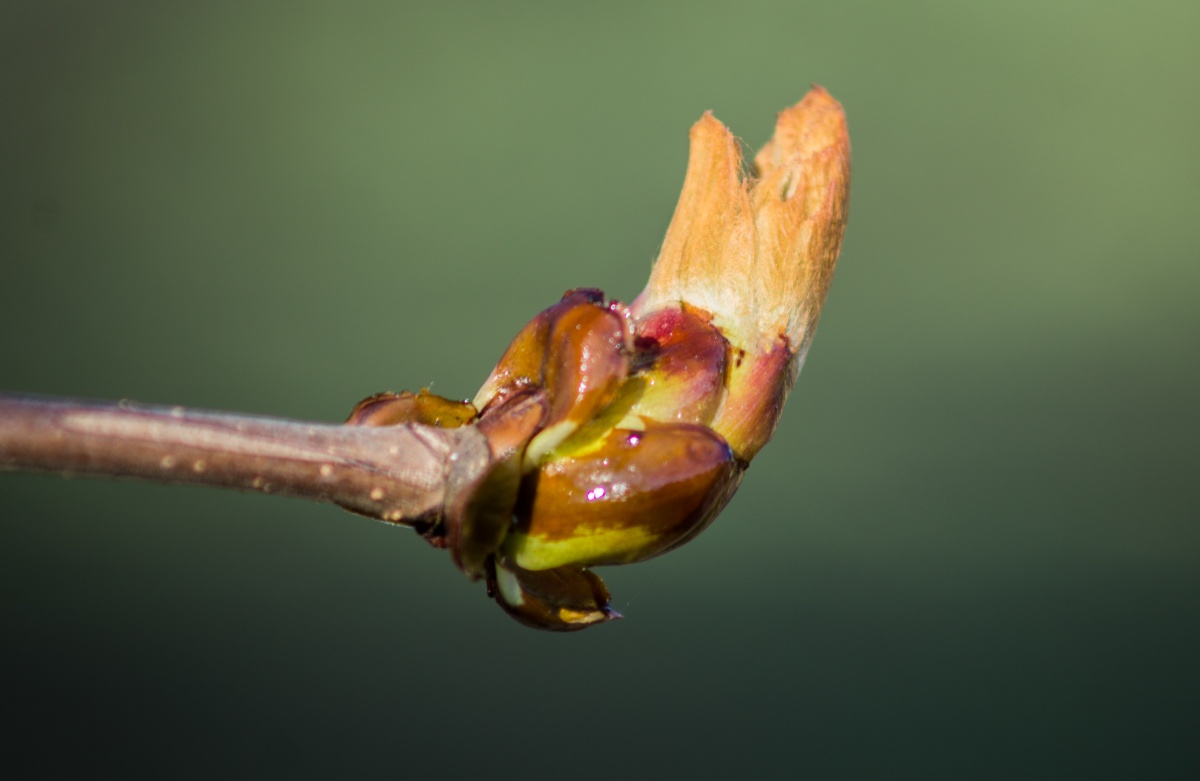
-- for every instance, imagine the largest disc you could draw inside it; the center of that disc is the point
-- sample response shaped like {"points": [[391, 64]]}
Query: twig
{"points": [[393, 473]]}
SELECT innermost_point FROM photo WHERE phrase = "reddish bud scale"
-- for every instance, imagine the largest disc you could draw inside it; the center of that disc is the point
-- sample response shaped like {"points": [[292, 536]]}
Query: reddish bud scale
{"points": [[686, 357], [757, 386]]}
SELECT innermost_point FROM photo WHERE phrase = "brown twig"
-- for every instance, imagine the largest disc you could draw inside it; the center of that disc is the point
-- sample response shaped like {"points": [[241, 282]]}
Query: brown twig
{"points": [[393, 473]]}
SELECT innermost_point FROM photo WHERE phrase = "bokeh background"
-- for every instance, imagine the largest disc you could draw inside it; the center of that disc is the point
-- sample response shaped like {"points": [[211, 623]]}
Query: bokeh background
{"points": [[971, 551]]}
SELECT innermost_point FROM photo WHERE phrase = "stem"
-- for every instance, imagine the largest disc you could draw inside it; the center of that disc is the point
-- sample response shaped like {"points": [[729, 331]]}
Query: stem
{"points": [[393, 473]]}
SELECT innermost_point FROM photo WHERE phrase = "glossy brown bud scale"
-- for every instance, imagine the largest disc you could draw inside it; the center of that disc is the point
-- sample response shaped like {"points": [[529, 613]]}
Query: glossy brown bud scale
{"points": [[564, 599], [638, 495], [523, 363], [393, 409]]}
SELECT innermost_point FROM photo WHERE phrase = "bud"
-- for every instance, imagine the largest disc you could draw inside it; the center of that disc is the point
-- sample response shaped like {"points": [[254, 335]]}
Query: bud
{"points": [[618, 433]]}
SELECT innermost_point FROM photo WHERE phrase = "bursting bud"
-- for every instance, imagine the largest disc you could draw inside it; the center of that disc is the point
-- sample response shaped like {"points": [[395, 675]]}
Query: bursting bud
{"points": [[617, 433]]}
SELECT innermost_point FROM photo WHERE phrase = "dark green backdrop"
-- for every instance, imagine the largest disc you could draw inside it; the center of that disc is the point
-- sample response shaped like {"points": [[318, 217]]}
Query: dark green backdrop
{"points": [[972, 549]]}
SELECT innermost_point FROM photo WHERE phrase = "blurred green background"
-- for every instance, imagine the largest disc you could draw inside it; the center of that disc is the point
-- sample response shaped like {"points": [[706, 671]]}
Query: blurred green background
{"points": [[971, 551]]}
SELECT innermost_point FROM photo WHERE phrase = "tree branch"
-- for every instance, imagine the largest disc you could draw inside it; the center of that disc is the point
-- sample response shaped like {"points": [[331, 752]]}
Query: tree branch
{"points": [[393, 473]]}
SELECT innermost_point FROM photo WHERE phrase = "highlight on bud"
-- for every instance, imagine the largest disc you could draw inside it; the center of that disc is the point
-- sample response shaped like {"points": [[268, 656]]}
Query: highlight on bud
{"points": [[617, 433]]}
